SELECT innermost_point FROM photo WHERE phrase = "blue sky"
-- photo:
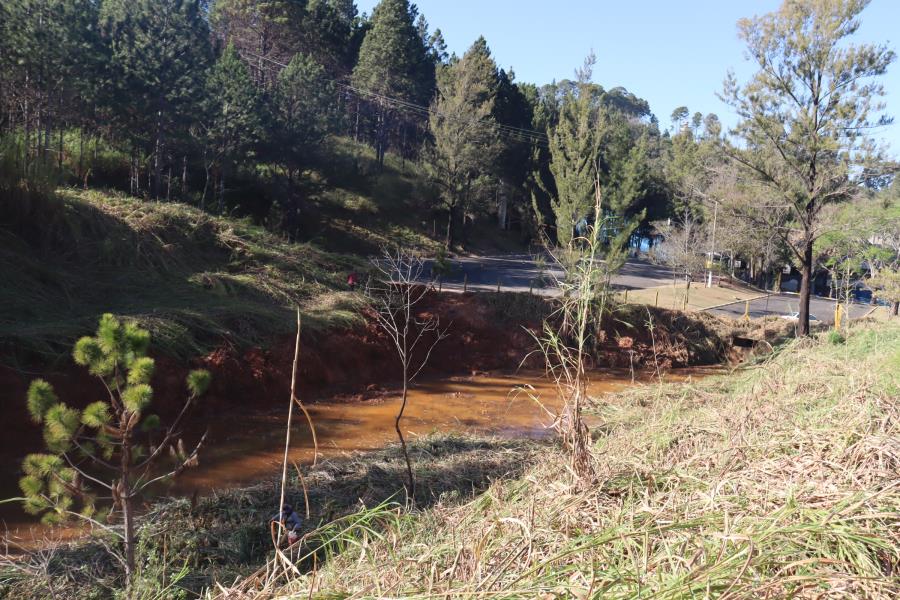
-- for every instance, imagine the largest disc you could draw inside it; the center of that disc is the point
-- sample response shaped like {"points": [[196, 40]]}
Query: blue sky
{"points": [[669, 52]]}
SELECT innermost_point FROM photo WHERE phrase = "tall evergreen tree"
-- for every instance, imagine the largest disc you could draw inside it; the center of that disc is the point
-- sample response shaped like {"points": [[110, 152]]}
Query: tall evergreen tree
{"points": [[160, 53], [50, 67], [464, 131], [233, 124], [264, 32], [806, 115], [574, 148], [512, 109], [303, 111], [393, 64]]}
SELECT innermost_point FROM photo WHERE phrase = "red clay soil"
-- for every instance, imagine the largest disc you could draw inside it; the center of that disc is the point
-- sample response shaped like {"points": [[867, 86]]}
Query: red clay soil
{"points": [[486, 332]]}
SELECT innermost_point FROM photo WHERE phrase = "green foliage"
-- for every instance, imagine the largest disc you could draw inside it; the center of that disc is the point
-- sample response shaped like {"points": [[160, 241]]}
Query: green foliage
{"points": [[54, 484], [594, 134], [159, 52], [88, 353], [137, 397], [835, 337], [198, 382], [141, 371], [441, 265], [41, 465], [574, 148], [96, 415], [393, 59], [41, 397], [31, 485], [466, 141], [807, 117], [151, 423], [233, 123], [303, 110], [60, 424]]}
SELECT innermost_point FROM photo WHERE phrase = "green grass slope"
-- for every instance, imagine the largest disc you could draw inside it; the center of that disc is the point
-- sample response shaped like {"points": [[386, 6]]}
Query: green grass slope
{"points": [[191, 278], [69, 255]]}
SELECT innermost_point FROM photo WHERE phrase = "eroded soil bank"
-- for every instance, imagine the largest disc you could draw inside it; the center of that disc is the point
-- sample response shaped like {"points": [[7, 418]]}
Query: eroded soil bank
{"points": [[487, 333]]}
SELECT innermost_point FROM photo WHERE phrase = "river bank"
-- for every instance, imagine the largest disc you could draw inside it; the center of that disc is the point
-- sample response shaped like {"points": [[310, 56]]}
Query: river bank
{"points": [[490, 332], [779, 479]]}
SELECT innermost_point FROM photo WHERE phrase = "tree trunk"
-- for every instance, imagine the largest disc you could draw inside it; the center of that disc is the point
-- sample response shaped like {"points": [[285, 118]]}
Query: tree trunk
{"points": [[184, 177], [81, 155], [805, 287], [59, 154], [448, 241], [409, 473], [222, 191], [128, 516], [157, 156], [381, 136], [895, 308], [205, 187]]}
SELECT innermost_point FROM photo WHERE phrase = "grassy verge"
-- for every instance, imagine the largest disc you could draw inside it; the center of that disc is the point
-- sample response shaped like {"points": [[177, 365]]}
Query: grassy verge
{"points": [[780, 480], [189, 277], [186, 546]]}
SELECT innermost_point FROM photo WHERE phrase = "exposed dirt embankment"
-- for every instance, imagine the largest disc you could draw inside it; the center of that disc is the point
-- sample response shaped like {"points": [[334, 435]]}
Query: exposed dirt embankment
{"points": [[486, 332]]}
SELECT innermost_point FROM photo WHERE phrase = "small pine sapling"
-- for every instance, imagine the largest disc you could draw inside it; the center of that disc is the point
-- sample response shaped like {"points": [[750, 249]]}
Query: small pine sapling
{"points": [[113, 446]]}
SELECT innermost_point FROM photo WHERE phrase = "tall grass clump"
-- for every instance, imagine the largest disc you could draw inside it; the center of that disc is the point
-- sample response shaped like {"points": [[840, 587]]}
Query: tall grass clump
{"points": [[778, 480]]}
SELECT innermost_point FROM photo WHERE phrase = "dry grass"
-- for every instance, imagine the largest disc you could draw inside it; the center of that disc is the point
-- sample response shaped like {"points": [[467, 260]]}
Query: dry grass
{"points": [[185, 546], [189, 277], [699, 297], [780, 480]]}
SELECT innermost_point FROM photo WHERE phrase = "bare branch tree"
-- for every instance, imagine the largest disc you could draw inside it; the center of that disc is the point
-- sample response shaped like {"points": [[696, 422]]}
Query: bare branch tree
{"points": [[682, 248], [394, 292]]}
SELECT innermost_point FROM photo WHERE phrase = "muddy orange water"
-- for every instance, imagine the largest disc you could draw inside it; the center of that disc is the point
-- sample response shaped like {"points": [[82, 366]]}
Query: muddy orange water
{"points": [[244, 446]]}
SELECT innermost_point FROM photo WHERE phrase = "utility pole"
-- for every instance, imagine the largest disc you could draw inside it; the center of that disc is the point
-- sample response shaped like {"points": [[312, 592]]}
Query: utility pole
{"points": [[712, 249]]}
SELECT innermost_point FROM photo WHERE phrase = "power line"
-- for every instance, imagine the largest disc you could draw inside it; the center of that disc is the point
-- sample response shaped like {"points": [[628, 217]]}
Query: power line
{"points": [[519, 134]]}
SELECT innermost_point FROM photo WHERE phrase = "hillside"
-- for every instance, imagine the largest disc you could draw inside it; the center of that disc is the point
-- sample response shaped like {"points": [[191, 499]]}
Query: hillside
{"points": [[191, 278], [194, 278]]}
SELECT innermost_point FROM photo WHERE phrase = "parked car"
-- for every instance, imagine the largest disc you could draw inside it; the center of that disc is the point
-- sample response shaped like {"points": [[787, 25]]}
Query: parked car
{"points": [[795, 316]]}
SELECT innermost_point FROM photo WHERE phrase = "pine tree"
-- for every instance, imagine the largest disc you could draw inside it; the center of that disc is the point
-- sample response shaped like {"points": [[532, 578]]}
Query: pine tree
{"points": [[393, 63], [113, 446], [232, 123], [159, 55], [807, 114], [464, 132], [303, 110], [574, 150], [514, 160], [50, 64]]}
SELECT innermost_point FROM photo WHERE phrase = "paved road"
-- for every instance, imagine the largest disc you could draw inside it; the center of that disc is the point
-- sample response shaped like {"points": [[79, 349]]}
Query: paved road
{"points": [[519, 273], [782, 304]]}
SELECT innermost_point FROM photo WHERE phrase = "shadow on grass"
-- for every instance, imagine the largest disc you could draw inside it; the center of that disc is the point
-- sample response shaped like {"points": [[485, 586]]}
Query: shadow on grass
{"points": [[226, 536], [191, 278]]}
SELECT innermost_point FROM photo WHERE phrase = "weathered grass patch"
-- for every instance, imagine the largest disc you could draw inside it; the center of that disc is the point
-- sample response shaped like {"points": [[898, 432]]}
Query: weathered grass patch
{"points": [[189, 277], [779, 480]]}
